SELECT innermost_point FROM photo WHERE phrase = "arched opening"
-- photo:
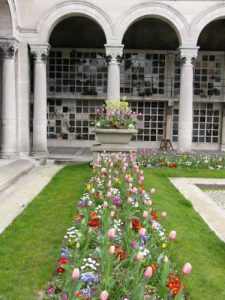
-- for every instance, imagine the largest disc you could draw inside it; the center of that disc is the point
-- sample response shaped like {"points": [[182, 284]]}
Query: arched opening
{"points": [[77, 79], [6, 27], [209, 84], [147, 74]]}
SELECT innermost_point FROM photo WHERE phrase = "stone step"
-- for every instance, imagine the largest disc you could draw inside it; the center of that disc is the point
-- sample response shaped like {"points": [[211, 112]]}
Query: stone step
{"points": [[70, 160], [10, 173]]}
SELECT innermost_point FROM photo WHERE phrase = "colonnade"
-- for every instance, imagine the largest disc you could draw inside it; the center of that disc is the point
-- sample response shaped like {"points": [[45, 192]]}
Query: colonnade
{"points": [[114, 53]]}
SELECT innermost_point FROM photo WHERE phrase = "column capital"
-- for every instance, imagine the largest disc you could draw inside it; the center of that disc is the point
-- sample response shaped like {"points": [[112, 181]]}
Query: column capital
{"points": [[114, 53], [188, 54], [8, 48], [40, 52]]}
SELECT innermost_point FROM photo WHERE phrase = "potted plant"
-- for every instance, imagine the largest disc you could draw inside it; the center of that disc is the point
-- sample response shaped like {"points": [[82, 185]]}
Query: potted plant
{"points": [[115, 123]]}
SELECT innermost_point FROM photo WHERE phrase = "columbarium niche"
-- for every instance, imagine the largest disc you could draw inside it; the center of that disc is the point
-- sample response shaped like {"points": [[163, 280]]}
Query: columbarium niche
{"points": [[147, 76], [77, 79]]}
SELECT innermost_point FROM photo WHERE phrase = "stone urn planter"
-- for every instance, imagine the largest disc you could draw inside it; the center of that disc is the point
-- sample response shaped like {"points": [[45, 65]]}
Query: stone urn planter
{"points": [[114, 136]]}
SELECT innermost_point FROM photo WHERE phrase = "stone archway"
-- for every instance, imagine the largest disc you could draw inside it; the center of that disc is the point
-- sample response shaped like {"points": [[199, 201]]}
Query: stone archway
{"points": [[6, 22], [68, 9], [153, 10], [205, 17]]}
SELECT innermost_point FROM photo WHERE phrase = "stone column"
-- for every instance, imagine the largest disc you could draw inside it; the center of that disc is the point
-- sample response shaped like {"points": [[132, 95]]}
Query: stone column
{"points": [[23, 99], [185, 125], [169, 122], [114, 55], [223, 128], [40, 53], [9, 147]]}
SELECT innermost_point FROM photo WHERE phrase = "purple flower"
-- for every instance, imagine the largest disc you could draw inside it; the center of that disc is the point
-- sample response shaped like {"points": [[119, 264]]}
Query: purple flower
{"points": [[65, 253], [89, 277], [83, 203], [144, 239]]}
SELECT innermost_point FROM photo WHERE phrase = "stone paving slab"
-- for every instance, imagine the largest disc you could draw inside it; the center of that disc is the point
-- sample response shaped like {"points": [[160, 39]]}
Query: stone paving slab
{"points": [[9, 173], [218, 196], [16, 198], [208, 209]]}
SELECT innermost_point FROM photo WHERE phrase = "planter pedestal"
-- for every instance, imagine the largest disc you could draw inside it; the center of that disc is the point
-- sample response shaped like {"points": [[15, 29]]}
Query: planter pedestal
{"points": [[112, 141]]}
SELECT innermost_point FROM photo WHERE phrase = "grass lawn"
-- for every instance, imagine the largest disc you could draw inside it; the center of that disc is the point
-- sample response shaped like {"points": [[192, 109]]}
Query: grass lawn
{"points": [[195, 242], [29, 249]]}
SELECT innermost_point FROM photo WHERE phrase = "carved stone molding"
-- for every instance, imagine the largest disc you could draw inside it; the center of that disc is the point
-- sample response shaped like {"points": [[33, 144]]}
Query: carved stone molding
{"points": [[8, 48], [40, 52], [188, 55], [114, 53]]}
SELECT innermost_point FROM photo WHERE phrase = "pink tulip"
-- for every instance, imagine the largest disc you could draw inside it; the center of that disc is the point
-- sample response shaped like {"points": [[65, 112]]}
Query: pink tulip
{"points": [[130, 179], [104, 295], [187, 269], [111, 233], [90, 203], [145, 214], [142, 232], [98, 180], [112, 213], [164, 215], [141, 178], [135, 190], [141, 172], [152, 191], [172, 235], [112, 250], [109, 195], [148, 272], [76, 274], [109, 183]]}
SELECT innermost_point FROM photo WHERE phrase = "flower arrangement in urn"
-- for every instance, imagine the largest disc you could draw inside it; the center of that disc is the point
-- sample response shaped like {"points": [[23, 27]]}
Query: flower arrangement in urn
{"points": [[116, 114]]}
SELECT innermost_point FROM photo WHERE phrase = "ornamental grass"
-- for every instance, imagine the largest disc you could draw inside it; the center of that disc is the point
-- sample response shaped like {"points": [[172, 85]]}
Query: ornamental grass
{"points": [[116, 247]]}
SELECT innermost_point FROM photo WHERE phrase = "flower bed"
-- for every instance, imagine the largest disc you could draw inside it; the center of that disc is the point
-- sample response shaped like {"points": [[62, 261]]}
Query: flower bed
{"points": [[117, 247], [195, 161], [116, 114]]}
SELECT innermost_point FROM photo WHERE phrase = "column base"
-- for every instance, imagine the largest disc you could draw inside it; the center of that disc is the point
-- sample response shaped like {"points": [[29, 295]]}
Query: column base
{"points": [[183, 152], [8, 155], [222, 148], [39, 153]]}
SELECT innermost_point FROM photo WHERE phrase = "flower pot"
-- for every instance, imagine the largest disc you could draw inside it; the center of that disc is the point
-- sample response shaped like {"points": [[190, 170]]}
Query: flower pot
{"points": [[114, 136]]}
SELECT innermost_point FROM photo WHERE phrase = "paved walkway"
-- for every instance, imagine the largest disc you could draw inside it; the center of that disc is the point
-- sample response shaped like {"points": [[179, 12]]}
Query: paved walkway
{"points": [[86, 153], [15, 198], [209, 210]]}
